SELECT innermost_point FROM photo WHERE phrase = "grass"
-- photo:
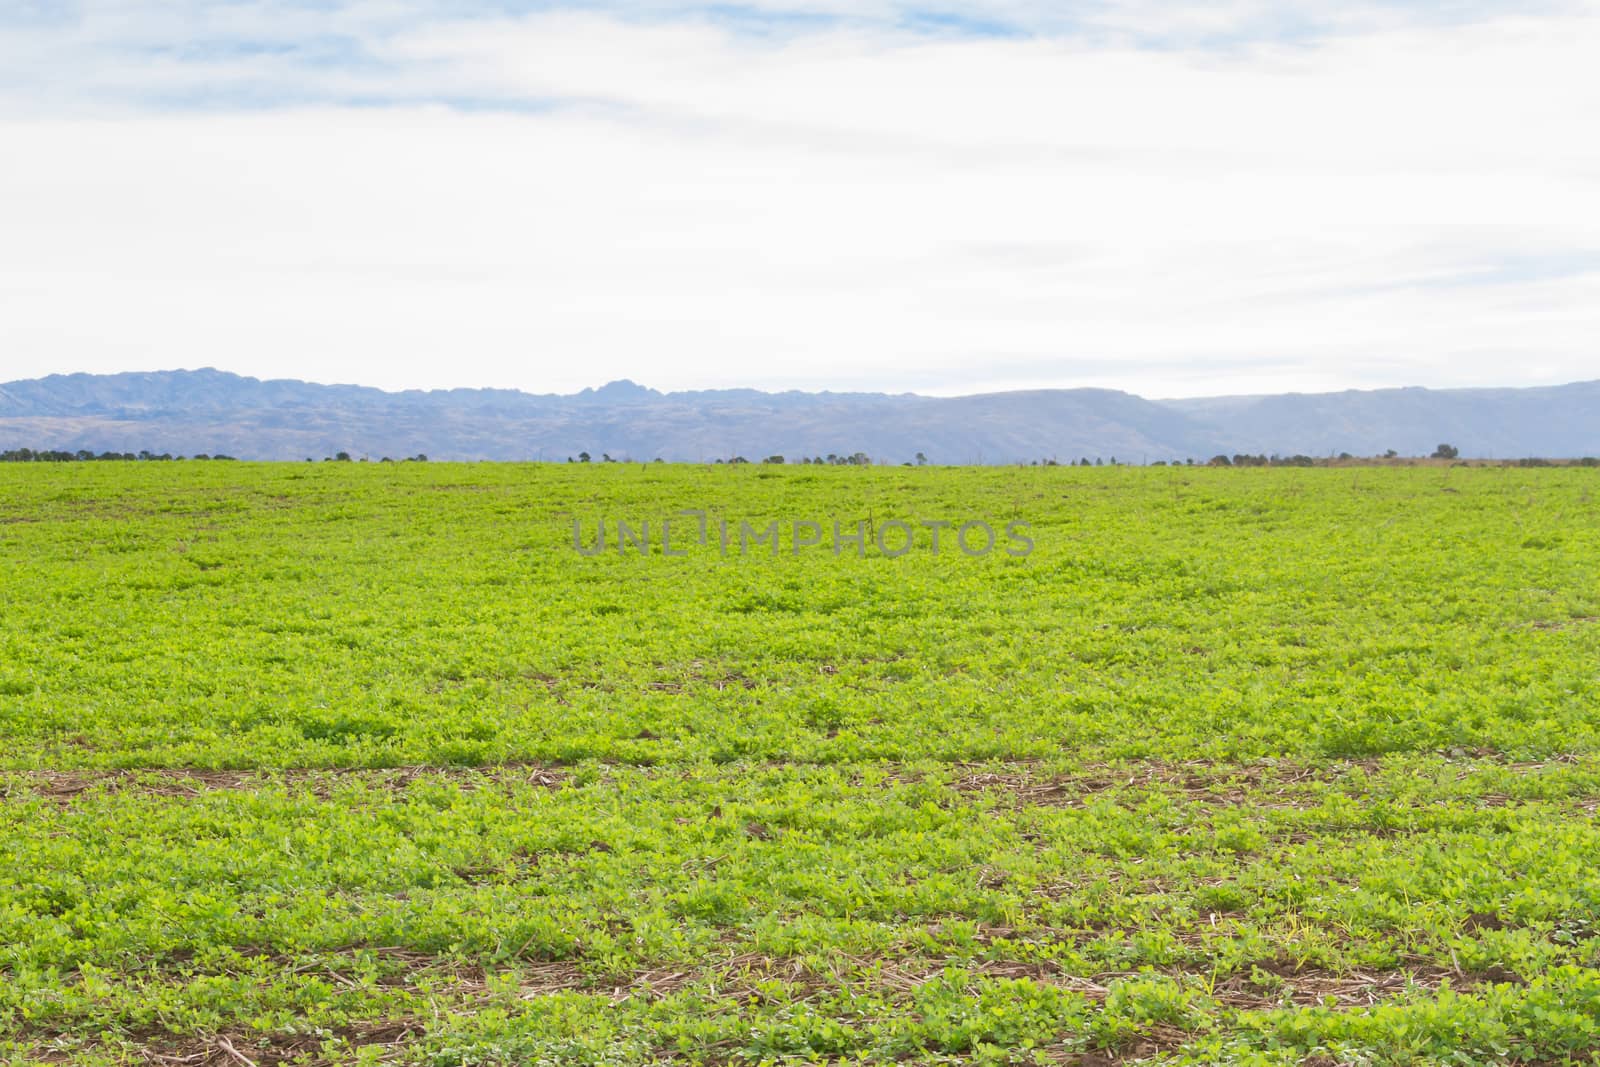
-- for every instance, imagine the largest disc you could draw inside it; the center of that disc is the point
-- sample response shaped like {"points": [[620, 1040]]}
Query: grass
{"points": [[362, 763]]}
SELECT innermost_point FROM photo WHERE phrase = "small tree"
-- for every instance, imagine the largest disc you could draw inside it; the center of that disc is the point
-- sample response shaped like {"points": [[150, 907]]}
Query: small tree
{"points": [[1446, 452]]}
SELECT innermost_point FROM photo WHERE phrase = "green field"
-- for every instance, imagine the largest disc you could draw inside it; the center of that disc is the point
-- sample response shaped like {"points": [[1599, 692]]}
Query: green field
{"points": [[364, 763]]}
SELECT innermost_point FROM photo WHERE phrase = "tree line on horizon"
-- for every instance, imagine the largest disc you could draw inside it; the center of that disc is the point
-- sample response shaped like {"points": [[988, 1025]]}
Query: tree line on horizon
{"points": [[1446, 452]]}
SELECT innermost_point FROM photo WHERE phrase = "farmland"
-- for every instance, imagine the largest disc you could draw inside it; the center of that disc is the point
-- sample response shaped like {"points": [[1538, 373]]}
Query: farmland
{"points": [[365, 763]]}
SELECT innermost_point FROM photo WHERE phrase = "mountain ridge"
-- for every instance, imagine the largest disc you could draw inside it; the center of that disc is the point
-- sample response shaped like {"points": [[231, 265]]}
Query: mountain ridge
{"points": [[213, 411]]}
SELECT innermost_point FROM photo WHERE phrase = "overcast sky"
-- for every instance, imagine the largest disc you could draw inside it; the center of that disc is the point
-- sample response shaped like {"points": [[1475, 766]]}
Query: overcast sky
{"points": [[1170, 198]]}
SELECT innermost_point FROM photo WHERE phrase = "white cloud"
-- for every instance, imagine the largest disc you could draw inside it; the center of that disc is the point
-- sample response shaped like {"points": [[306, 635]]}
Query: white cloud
{"points": [[850, 206]]}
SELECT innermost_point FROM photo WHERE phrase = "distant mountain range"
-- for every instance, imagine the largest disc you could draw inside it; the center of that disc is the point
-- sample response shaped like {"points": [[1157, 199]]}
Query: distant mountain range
{"points": [[211, 411]]}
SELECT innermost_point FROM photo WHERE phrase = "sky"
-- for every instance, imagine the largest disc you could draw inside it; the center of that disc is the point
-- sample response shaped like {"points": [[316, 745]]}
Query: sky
{"points": [[1176, 199]]}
